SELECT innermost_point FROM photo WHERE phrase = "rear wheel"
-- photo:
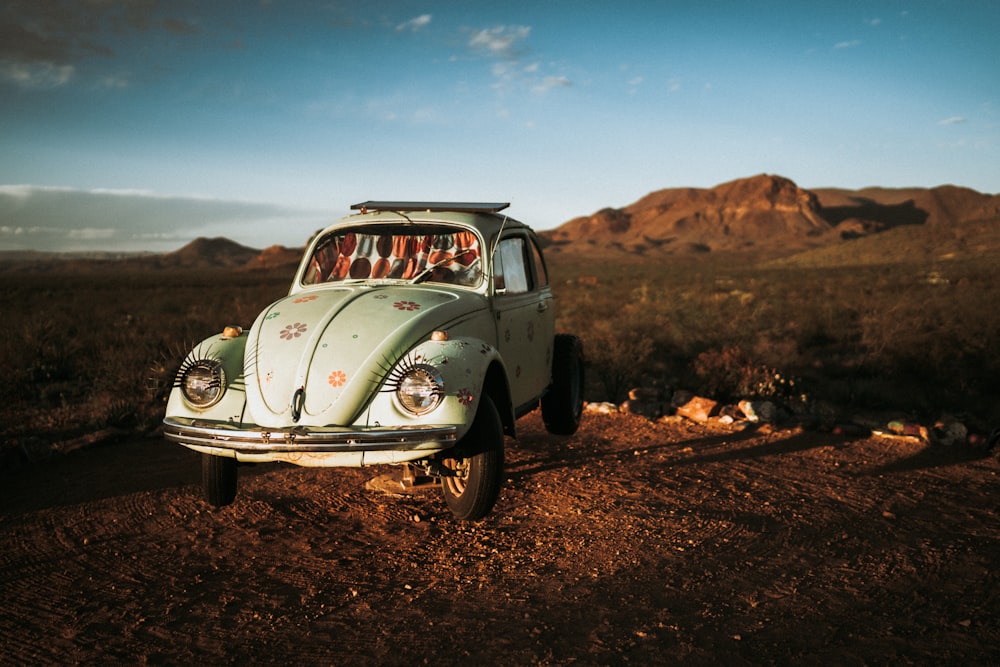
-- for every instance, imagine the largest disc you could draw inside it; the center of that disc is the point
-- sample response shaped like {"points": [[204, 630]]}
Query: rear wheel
{"points": [[473, 490], [562, 404], [218, 479]]}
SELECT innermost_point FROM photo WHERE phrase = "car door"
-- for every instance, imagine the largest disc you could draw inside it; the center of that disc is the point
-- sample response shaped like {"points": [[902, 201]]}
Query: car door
{"points": [[525, 317]]}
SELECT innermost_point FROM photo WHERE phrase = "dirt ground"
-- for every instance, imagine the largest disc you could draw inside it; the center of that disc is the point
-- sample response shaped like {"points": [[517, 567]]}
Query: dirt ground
{"points": [[631, 542]]}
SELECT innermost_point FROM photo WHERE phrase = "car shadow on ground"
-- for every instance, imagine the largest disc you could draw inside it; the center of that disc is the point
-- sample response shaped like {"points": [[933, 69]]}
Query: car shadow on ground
{"points": [[551, 452], [935, 456], [133, 464], [548, 452], [105, 470]]}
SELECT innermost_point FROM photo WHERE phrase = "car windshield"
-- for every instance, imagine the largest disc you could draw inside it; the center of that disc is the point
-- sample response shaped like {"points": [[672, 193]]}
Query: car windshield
{"points": [[432, 253]]}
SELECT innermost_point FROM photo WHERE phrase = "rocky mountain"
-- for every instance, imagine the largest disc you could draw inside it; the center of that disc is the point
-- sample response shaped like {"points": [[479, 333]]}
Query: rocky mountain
{"points": [[765, 212], [766, 215], [946, 205]]}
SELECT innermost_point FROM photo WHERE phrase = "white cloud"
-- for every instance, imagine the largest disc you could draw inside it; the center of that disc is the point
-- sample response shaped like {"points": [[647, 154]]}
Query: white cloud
{"points": [[501, 70], [113, 81], [90, 234], [500, 42], [16, 192], [36, 75], [415, 24], [62, 219], [954, 120], [549, 82], [47, 44], [849, 44], [506, 46]]}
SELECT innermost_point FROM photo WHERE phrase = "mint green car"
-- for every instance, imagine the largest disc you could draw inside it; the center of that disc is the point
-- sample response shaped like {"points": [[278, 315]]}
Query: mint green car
{"points": [[414, 333]]}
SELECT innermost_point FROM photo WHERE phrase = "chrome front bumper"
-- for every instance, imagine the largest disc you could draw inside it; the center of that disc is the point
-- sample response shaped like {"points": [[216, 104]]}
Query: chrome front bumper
{"points": [[302, 439]]}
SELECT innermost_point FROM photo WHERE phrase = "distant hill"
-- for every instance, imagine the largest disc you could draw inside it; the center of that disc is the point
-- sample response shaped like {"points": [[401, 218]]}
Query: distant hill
{"points": [[223, 253], [765, 213], [276, 256], [763, 218], [207, 253], [202, 253]]}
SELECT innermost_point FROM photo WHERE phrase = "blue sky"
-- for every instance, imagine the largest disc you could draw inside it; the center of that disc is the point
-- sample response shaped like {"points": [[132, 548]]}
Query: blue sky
{"points": [[138, 124]]}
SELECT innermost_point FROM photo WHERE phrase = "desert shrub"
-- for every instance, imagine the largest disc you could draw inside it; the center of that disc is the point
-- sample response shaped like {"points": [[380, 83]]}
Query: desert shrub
{"points": [[79, 350], [91, 350], [912, 337], [730, 373], [623, 338], [617, 357]]}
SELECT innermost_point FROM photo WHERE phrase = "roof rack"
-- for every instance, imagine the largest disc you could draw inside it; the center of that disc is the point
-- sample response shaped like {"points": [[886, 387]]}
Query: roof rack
{"points": [[460, 207]]}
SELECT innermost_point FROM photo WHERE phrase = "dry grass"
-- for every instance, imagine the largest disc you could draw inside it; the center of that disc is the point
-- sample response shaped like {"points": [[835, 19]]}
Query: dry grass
{"points": [[83, 352], [922, 339]]}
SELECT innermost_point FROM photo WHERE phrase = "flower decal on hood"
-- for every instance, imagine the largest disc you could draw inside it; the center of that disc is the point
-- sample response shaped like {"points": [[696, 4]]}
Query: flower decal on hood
{"points": [[292, 331]]}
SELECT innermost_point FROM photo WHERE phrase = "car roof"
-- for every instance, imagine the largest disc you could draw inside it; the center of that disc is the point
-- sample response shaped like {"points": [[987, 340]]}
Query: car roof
{"points": [[484, 216], [470, 207]]}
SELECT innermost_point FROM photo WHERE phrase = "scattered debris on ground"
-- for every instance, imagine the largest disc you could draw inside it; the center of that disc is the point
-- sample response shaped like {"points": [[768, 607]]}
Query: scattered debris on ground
{"points": [[647, 402]]}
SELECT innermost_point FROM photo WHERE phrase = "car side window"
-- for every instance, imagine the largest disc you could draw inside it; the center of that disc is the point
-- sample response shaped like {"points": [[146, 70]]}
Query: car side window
{"points": [[510, 268]]}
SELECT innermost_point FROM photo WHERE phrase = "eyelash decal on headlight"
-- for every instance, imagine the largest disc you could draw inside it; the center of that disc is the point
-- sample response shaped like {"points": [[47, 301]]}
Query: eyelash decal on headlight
{"points": [[393, 374], [196, 358]]}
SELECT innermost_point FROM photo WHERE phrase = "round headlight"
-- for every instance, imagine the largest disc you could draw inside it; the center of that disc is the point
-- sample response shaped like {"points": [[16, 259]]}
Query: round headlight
{"points": [[203, 383], [420, 389]]}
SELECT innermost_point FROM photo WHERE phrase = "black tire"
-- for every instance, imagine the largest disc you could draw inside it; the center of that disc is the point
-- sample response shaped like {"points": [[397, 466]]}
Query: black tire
{"points": [[218, 479], [562, 404], [474, 489]]}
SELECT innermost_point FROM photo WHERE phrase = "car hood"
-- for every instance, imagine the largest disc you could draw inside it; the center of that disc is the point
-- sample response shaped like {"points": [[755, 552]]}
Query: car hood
{"points": [[327, 350]]}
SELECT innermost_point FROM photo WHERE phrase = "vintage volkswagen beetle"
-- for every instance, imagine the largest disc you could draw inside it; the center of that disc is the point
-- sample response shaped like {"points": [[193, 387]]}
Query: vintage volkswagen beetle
{"points": [[414, 333]]}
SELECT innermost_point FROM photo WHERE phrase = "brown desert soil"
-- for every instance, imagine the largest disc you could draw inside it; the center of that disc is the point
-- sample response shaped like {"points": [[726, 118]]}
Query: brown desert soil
{"points": [[631, 542]]}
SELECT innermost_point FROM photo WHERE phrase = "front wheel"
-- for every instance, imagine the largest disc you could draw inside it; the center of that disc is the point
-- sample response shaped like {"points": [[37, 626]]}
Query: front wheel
{"points": [[474, 487], [218, 479]]}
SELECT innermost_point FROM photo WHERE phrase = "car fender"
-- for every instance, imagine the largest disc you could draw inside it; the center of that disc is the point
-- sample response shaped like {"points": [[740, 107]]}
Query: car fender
{"points": [[231, 407], [468, 368]]}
